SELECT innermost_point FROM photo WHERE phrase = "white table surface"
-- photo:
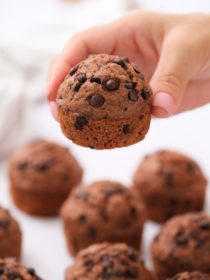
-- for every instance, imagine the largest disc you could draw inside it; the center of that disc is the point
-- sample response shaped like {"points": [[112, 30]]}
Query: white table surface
{"points": [[43, 239], [26, 23]]}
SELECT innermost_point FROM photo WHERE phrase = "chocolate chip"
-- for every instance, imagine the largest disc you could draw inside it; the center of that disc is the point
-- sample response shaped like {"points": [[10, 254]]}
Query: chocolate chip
{"points": [[88, 262], [95, 80], [114, 255], [133, 211], [119, 273], [80, 123], [91, 146], [168, 178], [77, 87], [104, 214], [96, 100], [126, 129], [126, 59], [132, 273], [173, 202], [65, 177], [174, 256], [81, 194], [22, 165], [43, 166], [1, 270], [13, 274], [111, 84], [31, 271], [145, 94], [119, 190], [83, 218], [180, 239], [104, 258], [130, 85], [131, 254], [133, 95], [141, 117], [4, 223], [82, 78], [124, 262], [136, 69], [199, 244], [92, 232], [106, 275], [120, 61], [73, 71], [190, 168], [107, 191], [205, 225]]}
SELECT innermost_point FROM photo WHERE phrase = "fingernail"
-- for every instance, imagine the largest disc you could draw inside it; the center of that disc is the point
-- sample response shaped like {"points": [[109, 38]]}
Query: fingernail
{"points": [[53, 109], [163, 105]]}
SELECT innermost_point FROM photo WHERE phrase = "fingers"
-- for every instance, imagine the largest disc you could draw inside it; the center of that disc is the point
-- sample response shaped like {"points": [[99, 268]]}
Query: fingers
{"points": [[99, 39], [176, 66]]}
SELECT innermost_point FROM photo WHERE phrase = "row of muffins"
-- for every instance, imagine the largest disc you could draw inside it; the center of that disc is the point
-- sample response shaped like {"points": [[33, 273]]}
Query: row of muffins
{"points": [[183, 244], [39, 171]]}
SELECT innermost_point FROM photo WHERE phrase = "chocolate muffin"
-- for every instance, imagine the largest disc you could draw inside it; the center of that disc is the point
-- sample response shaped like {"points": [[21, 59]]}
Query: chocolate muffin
{"points": [[41, 176], [10, 270], [169, 183], [102, 211], [104, 103], [183, 244], [190, 276], [10, 236], [106, 261]]}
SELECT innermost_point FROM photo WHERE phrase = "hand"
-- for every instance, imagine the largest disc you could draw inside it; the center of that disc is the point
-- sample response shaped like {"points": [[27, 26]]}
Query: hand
{"points": [[171, 50]]}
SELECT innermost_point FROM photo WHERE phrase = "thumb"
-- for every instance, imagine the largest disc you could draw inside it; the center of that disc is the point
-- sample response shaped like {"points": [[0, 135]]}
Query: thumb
{"points": [[176, 66]]}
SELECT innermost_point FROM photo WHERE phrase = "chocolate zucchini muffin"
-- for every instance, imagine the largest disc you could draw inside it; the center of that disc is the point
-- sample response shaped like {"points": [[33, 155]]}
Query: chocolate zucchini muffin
{"points": [[102, 211], [183, 244], [106, 261], [104, 103], [10, 270], [10, 236], [169, 183], [190, 276], [41, 176]]}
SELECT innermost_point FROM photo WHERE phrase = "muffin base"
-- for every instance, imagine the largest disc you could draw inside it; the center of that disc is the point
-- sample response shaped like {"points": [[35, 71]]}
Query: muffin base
{"points": [[36, 203], [105, 134]]}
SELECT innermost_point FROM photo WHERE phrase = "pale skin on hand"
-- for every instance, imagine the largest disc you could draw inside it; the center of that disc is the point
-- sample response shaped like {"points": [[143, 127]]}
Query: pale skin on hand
{"points": [[171, 50]]}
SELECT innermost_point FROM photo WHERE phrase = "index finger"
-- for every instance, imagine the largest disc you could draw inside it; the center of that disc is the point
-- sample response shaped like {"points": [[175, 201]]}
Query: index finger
{"points": [[100, 39]]}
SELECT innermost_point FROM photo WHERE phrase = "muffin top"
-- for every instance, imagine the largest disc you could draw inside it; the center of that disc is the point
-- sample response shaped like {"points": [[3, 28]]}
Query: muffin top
{"points": [[105, 87], [44, 166], [10, 270], [169, 170], [106, 261], [105, 203], [185, 239]]}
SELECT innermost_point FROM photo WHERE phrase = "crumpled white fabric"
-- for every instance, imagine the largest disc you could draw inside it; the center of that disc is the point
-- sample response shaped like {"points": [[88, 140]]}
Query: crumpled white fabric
{"points": [[22, 77]]}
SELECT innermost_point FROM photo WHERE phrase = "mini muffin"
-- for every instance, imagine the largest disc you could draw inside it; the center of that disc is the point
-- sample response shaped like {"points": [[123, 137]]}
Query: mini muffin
{"points": [[10, 270], [10, 236], [183, 244], [41, 176], [104, 103], [102, 211], [169, 184], [106, 261], [190, 276]]}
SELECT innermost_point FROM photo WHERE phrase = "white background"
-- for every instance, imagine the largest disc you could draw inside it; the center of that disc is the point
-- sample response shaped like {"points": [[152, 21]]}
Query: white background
{"points": [[45, 26]]}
